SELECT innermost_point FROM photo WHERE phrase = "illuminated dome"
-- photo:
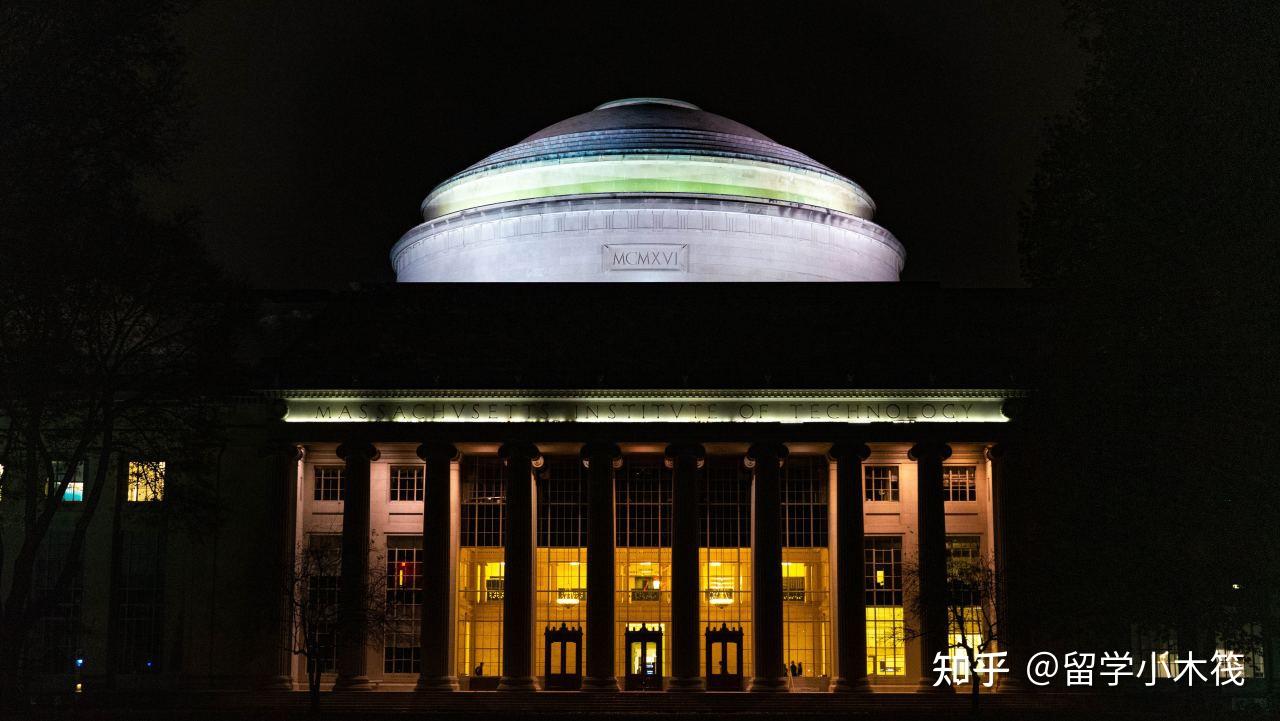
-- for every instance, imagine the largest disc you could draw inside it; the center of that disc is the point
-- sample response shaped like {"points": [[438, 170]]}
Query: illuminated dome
{"points": [[647, 189]]}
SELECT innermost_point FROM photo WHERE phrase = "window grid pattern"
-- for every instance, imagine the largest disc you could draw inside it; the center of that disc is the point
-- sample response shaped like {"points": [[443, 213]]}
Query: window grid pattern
{"points": [[329, 483], [323, 587], [74, 492], [960, 483], [58, 628], [643, 489], [402, 650], [407, 482], [146, 481], [484, 496], [883, 588], [562, 503], [725, 517], [804, 502], [725, 557], [141, 609], [881, 483]]}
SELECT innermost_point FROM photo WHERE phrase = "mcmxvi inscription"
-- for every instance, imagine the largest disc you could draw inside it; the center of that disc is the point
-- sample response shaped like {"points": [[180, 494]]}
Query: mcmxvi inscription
{"points": [[652, 256]]}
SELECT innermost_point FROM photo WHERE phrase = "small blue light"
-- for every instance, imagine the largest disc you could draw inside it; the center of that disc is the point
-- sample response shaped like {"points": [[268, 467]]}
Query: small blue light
{"points": [[148, 664], [79, 663]]}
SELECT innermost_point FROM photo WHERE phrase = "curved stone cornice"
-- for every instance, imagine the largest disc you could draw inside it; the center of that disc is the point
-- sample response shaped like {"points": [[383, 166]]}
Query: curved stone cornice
{"points": [[845, 450], [929, 451], [360, 449], [429, 450]]}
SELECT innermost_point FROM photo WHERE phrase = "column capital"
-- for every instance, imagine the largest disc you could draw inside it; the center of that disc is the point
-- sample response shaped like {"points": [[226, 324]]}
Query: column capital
{"points": [[676, 451], [429, 450], [997, 451], [281, 449], [848, 451], [766, 451], [520, 451], [929, 451], [601, 449], [358, 449]]}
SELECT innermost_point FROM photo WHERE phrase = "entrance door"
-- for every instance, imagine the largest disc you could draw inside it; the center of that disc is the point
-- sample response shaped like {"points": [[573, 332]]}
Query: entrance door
{"points": [[644, 659], [724, 658]]}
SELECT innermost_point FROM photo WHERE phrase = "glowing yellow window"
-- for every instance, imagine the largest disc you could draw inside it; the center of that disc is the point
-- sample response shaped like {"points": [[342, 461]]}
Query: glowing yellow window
{"points": [[570, 583], [493, 576], [146, 481], [793, 575]]}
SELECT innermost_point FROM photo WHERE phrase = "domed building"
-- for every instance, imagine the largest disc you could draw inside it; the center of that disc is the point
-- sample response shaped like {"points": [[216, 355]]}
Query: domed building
{"points": [[647, 189]]}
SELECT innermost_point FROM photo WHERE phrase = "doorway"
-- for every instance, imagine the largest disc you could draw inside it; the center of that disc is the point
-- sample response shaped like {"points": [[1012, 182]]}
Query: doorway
{"points": [[644, 658]]}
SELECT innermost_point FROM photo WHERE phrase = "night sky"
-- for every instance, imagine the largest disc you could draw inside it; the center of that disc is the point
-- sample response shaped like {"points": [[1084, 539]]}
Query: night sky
{"points": [[319, 127]]}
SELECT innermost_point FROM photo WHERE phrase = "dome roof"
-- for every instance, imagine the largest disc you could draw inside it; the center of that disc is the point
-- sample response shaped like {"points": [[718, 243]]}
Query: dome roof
{"points": [[648, 113], [649, 146]]}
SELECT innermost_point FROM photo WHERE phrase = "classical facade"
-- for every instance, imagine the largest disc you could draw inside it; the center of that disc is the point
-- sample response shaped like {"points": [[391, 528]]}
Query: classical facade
{"points": [[599, 485], [643, 540]]}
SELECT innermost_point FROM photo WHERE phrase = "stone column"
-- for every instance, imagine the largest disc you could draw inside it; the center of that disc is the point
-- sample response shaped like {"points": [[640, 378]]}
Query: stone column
{"points": [[282, 519], [519, 578], [685, 459], [353, 596], [931, 531], [601, 459], [1011, 681], [439, 567], [851, 602], [766, 565]]}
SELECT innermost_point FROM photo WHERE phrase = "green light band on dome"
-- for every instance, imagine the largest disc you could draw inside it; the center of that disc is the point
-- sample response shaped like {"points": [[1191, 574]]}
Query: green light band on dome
{"points": [[647, 174]]}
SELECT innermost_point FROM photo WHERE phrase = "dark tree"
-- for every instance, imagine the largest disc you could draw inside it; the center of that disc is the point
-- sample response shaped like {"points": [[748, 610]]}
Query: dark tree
{"points": [[1152, 228], [114, 329]]}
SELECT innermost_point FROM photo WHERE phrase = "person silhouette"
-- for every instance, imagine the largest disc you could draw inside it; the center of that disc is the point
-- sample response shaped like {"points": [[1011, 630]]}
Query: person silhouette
{"points": [[791, 667], [800, 669], [480, 669]]}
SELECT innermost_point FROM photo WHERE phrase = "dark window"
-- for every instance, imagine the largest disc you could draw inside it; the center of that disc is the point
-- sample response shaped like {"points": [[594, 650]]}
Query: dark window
{"points": [[402, 652], [562, 503], [407, 482], [329, 483], [141, 610], [883, 566], [58, 625], [643, 502], [726, 503], [804, 501], [484, 491], [881, 483], [324, 582]]}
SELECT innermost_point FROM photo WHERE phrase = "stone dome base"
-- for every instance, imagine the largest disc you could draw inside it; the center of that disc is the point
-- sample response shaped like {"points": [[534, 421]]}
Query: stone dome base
{"points": [[622, 238]]}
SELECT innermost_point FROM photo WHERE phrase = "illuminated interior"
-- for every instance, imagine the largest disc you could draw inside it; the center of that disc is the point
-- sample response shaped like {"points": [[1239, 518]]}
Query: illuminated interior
{"points": [[726, 600], [480, 593], [688, 174], [806, 609]]}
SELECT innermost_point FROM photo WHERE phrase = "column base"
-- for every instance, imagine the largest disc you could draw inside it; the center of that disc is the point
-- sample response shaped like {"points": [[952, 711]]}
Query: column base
{"points": [[276, 683], [858, 684], [517, 684], [352, 683], [926, 686], [686, 685], [763, 684], [430, 684], [599, 684], [1012, 684]]}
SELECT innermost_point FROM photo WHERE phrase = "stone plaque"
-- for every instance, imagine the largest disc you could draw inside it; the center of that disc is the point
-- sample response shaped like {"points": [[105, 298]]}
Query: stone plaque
{"points": [[646, 256]]}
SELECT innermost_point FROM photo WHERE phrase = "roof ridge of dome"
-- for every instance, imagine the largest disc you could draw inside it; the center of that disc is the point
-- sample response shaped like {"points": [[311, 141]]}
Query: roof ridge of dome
{"points": [[621, 102]]}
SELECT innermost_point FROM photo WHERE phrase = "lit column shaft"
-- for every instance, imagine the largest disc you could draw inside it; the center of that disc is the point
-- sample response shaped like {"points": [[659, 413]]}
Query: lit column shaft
{"points": [[932, 556], [851, 606], [518, 584], [438, 570], [685, 460], [283, 469], [602, 460], [353, 596], [766, 565]]}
